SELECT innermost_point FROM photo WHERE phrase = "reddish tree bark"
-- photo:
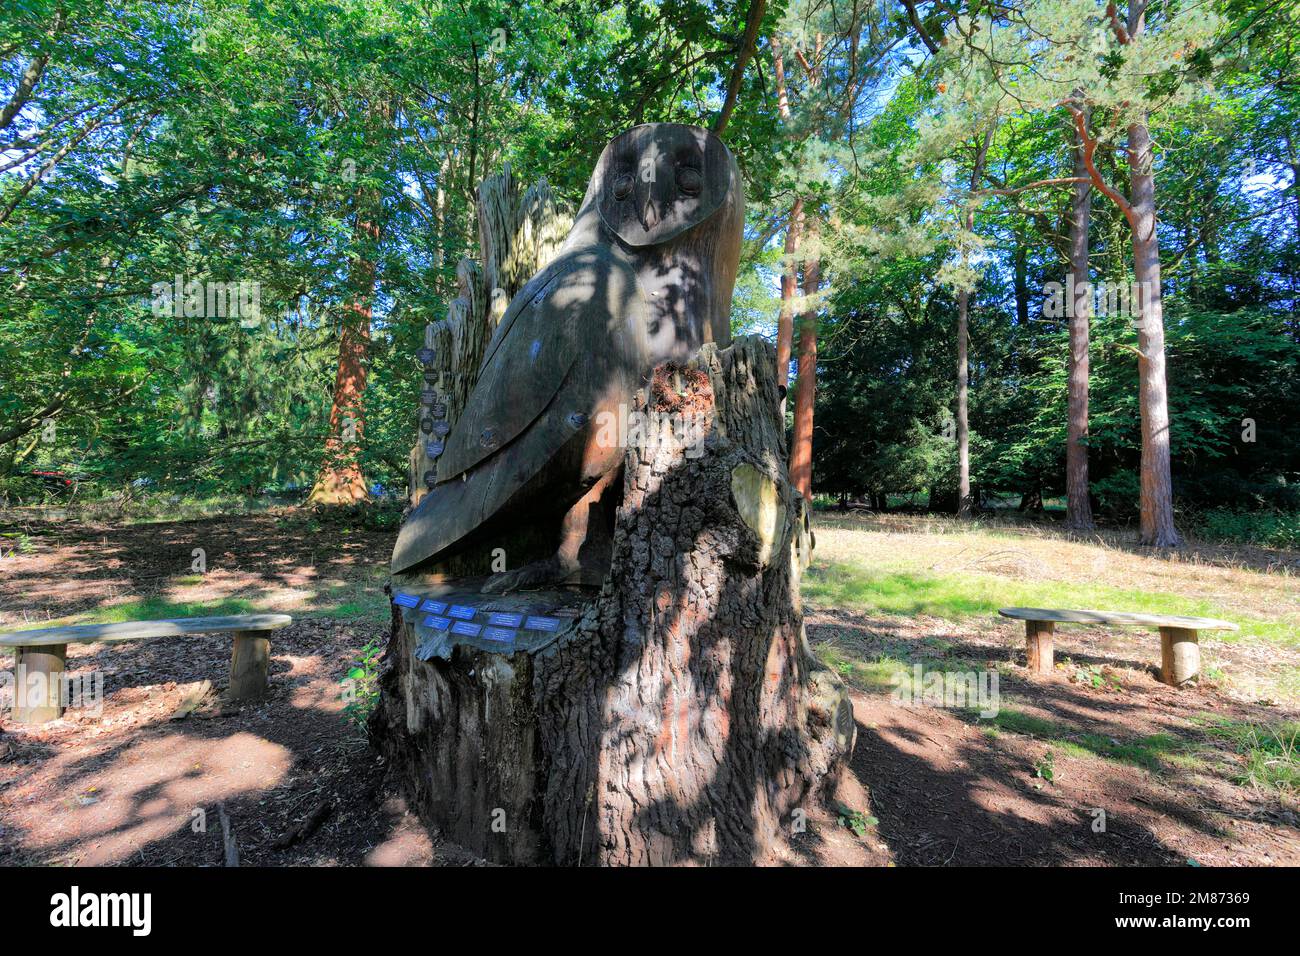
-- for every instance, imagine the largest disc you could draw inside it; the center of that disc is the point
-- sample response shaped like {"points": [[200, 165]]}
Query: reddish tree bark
{"points": [[806, 385], [341, 480]]}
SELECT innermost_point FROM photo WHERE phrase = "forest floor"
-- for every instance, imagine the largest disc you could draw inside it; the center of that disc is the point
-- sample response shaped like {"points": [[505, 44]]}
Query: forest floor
{"points": [[1096, 764]]}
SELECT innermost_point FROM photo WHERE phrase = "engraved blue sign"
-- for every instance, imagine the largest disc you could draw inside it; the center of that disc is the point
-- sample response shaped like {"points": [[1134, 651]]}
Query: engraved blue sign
{"points": [[542, 624], [466, 629], [402, 599], [434, 607], [436, 622], [506, 620], [498, 634], [461, 611]]}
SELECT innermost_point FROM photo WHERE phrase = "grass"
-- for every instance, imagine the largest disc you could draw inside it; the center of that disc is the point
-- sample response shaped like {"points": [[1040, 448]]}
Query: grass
{"points": [[1270, 753], [1153, 752], [971, 594]]}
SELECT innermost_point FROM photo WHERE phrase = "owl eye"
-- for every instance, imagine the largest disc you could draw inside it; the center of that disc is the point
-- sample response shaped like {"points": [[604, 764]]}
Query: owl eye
{"points": [[623, 186], [689, 180]]}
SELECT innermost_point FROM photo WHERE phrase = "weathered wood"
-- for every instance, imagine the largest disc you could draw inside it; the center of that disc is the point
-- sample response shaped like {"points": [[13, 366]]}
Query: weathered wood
{"points": [[138, 630], [520, 233], [230, 849], [1180, 652], [1038, 646], [644, 277], [38, 682], [1180, 655], [678, 717], [1121, 618], [250, 664]]}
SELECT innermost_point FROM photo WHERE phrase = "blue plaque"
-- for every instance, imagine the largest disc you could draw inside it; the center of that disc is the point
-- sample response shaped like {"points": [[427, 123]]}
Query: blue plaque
{"points": [[402, 599], [542, 624], [437, 623], [466, 629], [434, 607], [506, 620], [461, 611], [499, 634]]}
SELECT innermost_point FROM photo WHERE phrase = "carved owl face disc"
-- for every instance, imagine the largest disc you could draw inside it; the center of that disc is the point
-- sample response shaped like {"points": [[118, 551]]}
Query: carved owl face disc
{"points": [[660, 179]]}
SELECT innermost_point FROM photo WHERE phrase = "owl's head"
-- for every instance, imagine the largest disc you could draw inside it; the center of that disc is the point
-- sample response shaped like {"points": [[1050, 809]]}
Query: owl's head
{"points": [[658, 180]]}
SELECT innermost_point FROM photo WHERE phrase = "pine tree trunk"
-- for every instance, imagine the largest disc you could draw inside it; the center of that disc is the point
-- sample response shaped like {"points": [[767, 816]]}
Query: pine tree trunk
{"points": [[806, 385], [679, 717], [963, 424], [1078, 512], [340, 480], [1157, 496], [789, 289]]}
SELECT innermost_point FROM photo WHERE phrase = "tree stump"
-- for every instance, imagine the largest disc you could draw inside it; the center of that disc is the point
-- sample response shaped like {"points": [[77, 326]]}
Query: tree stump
{"points": [[676, 716]]}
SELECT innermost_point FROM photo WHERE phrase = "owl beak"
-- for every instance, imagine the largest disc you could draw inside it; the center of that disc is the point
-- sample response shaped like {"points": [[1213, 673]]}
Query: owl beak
{"points": [[649, 212]]}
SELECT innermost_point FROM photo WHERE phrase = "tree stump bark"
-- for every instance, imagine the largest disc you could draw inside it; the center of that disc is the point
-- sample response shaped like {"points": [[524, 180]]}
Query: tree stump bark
{"points": [[677, 716]]}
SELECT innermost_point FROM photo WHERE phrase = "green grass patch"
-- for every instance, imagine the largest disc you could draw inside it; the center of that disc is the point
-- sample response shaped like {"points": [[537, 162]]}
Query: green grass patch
{"points": [[1153, 752], [1270, 752], [971, 594]]}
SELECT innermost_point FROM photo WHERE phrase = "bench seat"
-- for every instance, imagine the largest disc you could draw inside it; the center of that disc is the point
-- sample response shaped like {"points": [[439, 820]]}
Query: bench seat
{"points": [[1180, 653], [44, 651]]}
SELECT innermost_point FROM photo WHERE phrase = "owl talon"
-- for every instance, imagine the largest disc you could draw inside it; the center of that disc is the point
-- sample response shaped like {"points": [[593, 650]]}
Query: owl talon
{"points": [[535, 575]]}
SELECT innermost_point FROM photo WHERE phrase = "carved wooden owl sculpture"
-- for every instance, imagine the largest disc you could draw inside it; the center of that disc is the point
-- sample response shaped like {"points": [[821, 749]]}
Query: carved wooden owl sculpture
{"points": [[646, 275]]}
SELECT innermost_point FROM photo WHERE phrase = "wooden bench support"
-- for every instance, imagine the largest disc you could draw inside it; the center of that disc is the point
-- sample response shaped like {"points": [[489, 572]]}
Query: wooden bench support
{"points": [[44, 651], [36, 702], [249, 666], [1038, 646], [1180, 655]]}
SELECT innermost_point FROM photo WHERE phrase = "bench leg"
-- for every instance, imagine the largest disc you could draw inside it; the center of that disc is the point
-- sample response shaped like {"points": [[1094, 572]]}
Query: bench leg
{"points": [[38, 683], [1038, 646], [1180, 655], [249, 663]]}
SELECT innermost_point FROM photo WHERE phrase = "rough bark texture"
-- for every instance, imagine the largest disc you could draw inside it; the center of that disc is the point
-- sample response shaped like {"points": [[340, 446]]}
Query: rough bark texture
{"points": [[1157, 498], [341, 480], [680, 718], [806, 386], [520, 232], [1078, 515]]}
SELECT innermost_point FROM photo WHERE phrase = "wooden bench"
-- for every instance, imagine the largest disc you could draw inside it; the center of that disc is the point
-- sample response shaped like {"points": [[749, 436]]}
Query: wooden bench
{"points": [[1180, 654], [45, 651]]}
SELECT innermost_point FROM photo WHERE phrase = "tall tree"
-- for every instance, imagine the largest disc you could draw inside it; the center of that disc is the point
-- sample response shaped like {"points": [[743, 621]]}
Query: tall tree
{"points": [[1078, 511]]}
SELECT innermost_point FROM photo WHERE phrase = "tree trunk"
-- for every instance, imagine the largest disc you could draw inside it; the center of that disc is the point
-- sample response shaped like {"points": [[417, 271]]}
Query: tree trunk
{"points": [[789, 289], [341, 480], [806, 385], [1078, 512], [1157, 499], [963, 424], [793, 231], [677, 716]]}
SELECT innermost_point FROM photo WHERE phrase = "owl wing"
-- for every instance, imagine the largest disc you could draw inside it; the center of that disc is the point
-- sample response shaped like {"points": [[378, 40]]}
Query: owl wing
{"points": [[572, 339]]}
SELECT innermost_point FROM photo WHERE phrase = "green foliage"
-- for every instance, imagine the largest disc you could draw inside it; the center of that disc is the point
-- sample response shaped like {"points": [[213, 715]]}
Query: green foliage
{"points": [[360, 686], [1277, 529]]}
